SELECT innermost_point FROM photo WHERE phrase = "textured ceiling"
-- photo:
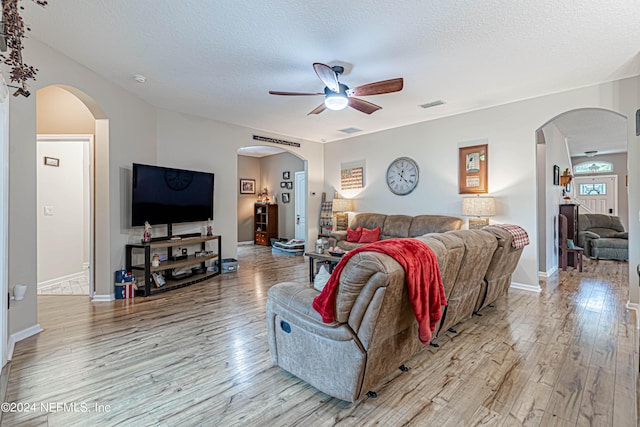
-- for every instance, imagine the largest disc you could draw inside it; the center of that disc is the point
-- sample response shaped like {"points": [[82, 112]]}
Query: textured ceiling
{"points": [[593, 129], [218, 59]]}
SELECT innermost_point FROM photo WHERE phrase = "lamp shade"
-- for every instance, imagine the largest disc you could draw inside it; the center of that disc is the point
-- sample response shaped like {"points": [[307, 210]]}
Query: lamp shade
{"points": [[342, 205], [478, 206]]}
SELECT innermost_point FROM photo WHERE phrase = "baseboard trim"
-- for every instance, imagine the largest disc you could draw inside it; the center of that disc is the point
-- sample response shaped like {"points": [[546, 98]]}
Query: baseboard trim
{"points": [[523, 287], [103, 298], [635, 307], [548, 273], [248, 242], [19, 336], [51, 282]]}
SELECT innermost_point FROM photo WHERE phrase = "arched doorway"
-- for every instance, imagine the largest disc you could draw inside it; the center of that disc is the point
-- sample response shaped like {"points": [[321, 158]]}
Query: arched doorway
{"points": [[274, 168], [66, 111], [566, 139]]}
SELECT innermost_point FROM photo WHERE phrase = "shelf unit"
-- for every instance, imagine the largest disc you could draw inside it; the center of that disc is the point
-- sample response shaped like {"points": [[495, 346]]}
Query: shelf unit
{"points": [[148, 287], [265, 223]]}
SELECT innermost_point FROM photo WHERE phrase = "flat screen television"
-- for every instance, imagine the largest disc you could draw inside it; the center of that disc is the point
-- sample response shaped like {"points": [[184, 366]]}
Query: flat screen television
{"points": [[168, 196]]}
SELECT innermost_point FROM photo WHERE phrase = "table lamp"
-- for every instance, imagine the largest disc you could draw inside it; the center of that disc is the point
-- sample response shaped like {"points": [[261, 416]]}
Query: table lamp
{"points": [[339, 208], [478, 207]]}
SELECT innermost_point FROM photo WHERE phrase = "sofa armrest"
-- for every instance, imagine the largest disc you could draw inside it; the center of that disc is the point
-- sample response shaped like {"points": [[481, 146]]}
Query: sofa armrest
{"points": [[337, 236], [589, 235], [622, 235]]}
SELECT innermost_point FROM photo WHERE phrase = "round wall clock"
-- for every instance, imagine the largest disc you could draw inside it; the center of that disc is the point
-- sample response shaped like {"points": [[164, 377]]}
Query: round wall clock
{"points": [[178, 180], [402, 176]]}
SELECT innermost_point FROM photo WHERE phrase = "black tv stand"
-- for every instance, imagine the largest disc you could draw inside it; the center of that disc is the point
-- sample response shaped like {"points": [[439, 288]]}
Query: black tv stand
{"points": [[148, 286]]}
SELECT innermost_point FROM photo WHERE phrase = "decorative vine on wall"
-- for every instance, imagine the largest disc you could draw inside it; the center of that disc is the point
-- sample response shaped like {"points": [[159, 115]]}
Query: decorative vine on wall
{"points": [[13, 32]]}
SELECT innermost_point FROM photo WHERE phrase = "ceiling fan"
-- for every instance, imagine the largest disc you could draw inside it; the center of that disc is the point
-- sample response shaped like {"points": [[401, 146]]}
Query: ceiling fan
{"points": [[338, 96]]}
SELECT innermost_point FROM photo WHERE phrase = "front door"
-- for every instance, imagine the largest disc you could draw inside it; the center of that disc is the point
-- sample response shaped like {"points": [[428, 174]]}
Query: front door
{"points": [[599, 194], [301, 205]]}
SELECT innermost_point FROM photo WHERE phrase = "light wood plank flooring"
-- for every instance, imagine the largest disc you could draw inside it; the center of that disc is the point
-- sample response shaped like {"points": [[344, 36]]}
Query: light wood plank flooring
{"points": [[199, 356]]}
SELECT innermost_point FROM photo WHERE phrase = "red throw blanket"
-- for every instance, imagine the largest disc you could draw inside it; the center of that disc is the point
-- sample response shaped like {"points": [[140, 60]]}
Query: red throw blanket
{"points": [[423, 278]]}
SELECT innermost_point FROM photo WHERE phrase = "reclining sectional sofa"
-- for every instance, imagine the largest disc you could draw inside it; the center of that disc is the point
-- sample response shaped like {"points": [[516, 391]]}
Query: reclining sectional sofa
{"points": [[603, 237], [375, 330], [395, 226]]}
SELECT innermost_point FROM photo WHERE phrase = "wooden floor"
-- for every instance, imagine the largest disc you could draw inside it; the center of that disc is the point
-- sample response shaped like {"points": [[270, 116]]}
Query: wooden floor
{"points": [[199, 356]]}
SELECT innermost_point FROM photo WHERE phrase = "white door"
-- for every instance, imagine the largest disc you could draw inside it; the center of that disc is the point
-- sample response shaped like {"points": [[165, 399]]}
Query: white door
{"points": [[599, 194], [300, 201]]}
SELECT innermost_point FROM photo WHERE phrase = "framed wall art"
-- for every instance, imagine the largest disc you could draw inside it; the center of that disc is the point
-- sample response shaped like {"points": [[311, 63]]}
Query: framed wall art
{"points": [[247, 186], [473, 173], [285, 198], [556, 175]]}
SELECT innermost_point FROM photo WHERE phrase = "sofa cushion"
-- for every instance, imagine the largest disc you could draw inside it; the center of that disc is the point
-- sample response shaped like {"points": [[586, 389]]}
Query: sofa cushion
{"points": [[604, 232], [396, 226], [368, 220], [423, 224], [354, 235], [598, 221], [612, 243], [370, 236]]}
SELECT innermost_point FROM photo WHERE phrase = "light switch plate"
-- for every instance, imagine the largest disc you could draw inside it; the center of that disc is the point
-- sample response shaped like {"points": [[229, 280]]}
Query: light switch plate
{"points": [[48, 211]]}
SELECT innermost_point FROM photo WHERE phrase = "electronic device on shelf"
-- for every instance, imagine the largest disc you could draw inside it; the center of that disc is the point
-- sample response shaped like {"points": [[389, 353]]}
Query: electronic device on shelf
{"points": [[180, 275]]}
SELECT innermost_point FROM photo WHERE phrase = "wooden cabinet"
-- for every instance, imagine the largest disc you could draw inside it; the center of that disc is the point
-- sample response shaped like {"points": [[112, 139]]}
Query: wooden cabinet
{"points": [[571, 212], [148, 285], [265, 223]]}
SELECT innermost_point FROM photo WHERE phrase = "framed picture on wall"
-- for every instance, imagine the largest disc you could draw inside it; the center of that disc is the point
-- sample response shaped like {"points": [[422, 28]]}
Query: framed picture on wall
{"points": [[247, 186], [289, 185], [283, 184], [472, 177], [286, 175], [556, 175], [285, 198]]}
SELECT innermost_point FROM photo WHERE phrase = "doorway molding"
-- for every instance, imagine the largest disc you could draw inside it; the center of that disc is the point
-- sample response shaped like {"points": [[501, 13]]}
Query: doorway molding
{"points": [[89, 142]]}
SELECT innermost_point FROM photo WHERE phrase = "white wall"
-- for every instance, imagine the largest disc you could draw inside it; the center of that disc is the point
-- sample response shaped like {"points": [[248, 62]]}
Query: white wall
{"points": [[272, 168], [61, 234], [510, 132], [131, 132], [555, 154], [248, 168], [191, 142]]}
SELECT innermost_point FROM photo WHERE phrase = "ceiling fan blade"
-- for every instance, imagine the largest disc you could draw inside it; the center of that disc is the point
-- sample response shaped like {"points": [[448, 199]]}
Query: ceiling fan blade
{"points": [[328, 76], [319, 109], [276, 92], [363, 106], [377, 88]]}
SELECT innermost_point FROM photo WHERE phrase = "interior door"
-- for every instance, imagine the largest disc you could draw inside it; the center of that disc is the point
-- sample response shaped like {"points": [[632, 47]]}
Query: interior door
{"points": [[599, 194], [300, 200]]}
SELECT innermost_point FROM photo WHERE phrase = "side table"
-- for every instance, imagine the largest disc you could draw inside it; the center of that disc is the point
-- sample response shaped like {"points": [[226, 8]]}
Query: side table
{"points": [[325, 258]]}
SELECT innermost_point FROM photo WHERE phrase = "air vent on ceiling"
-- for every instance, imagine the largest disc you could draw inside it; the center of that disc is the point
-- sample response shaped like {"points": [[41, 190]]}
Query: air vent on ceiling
{"points": [[432, 104], [350, 130]]}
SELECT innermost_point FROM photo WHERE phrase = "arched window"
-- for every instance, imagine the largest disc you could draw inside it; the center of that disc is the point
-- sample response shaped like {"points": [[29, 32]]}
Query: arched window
{"points": [[593, 167]]}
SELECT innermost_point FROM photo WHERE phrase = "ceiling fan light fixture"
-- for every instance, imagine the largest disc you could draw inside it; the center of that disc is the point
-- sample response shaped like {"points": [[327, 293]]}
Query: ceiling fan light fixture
{"points": [[336, 101]]}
